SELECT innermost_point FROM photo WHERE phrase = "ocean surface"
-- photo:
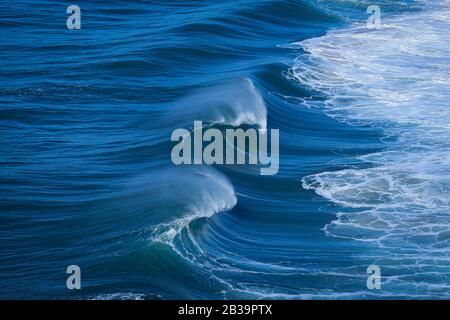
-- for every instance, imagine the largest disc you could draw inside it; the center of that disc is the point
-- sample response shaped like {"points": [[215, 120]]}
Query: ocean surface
{"points": [[85, 171]]}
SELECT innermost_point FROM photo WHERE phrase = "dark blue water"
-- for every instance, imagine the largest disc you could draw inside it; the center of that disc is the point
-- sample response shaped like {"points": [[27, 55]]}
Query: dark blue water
{"points": [[85, 171]]}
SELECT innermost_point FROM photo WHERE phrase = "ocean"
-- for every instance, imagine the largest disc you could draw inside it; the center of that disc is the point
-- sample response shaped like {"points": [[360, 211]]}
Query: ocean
{"points": [[86, 176]]}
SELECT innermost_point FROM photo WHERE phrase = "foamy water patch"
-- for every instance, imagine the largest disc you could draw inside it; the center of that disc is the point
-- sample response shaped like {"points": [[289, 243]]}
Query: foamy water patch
{"points": [[121, 296], [396, 78]]}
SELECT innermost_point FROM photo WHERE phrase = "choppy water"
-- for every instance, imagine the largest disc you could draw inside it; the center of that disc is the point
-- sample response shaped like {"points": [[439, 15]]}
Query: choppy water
{"points": [[86, 177]]}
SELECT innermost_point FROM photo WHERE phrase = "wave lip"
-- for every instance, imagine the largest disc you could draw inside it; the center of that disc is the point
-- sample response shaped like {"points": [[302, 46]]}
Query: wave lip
{"points": [[188, 194], [232, 103]]}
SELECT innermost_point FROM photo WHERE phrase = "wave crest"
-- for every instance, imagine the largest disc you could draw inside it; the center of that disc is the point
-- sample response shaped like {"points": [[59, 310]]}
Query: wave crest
{"points": [[232, 103]]}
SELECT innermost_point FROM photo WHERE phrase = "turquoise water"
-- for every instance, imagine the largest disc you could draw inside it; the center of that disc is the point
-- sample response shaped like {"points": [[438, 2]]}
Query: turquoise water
{"points": [[86, 177]]}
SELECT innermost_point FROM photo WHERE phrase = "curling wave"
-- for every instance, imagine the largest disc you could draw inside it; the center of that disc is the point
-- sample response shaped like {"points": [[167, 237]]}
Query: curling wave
{"points": [[231, 103]]}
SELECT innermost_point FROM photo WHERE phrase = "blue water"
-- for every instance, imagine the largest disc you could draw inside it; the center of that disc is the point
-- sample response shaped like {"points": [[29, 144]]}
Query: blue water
{"points": [[86, 176]]}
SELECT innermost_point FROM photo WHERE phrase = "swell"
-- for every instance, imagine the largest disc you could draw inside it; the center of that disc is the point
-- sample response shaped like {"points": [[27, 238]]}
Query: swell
{"points": [[99, 109]]}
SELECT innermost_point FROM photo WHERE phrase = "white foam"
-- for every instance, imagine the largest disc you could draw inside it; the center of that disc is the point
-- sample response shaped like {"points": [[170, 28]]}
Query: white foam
{"points": [[120, 296], [397, 78]]}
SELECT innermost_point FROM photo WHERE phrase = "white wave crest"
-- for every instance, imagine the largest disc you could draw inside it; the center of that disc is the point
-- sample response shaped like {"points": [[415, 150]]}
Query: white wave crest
{"points": [[203, 192], [233, 103]]}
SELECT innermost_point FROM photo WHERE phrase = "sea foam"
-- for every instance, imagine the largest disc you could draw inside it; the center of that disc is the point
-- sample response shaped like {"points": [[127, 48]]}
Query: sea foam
{"points": [[396, 78]]}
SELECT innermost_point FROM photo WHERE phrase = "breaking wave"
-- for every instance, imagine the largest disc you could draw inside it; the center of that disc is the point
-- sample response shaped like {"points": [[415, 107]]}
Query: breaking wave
{"points": [[396, 78]]}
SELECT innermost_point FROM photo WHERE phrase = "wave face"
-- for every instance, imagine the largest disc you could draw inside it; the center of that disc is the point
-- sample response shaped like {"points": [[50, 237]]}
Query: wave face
{"points": [[86, 179]]}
